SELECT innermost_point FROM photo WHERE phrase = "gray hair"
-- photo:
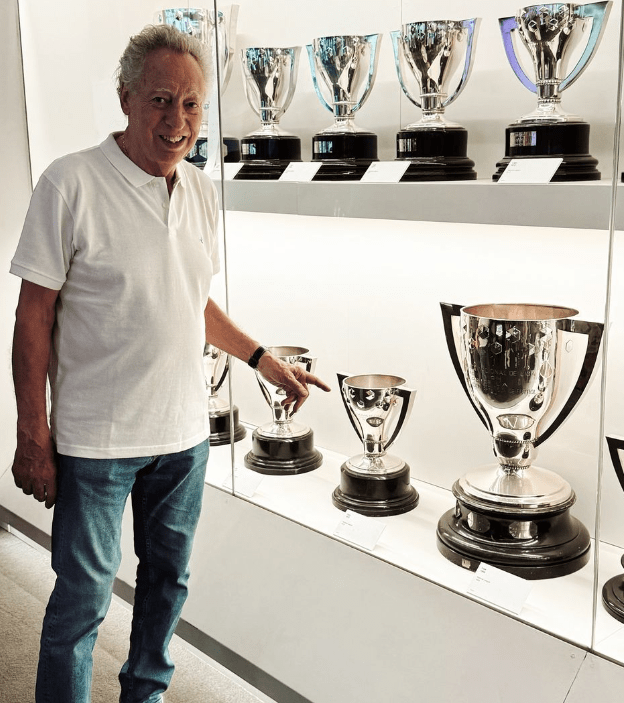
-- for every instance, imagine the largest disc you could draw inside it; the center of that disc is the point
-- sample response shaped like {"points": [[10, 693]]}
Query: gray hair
{"points": [[129, 73]]}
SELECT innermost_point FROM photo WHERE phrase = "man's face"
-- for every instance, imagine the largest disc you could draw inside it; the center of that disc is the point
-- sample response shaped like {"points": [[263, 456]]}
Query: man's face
{"points": [[164, 114]]}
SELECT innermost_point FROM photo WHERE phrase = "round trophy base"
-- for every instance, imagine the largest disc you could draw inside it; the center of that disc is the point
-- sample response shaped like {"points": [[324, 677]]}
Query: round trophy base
{"points": [[567, 140], [220, 428], [346, 156], [267, 157], [198, 155], [375, 495], [533, 546], [284, 456], [232, 150], [435, 154], [613, 597]]}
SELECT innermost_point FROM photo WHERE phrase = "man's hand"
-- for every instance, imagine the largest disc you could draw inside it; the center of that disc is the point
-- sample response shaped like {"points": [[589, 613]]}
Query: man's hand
{"points": [[34, 466], [293, 379]]}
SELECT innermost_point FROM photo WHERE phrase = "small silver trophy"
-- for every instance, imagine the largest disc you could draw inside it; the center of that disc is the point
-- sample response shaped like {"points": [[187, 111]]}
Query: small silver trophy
{"points": [[376, 483], [430, 54], [216, 367], [613, 590], [343, 71], [511, 362], [550, 33], [283, 446], [270, 76], [200, 23]]}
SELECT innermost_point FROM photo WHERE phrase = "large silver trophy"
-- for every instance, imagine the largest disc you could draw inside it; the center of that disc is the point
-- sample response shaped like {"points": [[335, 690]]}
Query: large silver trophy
{"points": [[524, 368], [376, 483], [270, 76], [216, 367], [343, 71], [283, 446], [550, 33], [613, 589], [220, 36], [428, 56]]}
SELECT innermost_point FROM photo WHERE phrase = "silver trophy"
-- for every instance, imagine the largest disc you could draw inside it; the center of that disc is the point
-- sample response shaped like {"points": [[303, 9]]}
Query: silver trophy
{"points": [[216, 367], [550, 33], [524, 368], [220, 36], [428, 56], [343, 71], [613, 589], [283, 446], [270, 76], [376, 483]]}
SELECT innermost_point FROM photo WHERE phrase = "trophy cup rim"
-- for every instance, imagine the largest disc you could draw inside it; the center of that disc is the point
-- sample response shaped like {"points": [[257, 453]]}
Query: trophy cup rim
{"points": [[364, 381], [520, 312], [287, 350]]}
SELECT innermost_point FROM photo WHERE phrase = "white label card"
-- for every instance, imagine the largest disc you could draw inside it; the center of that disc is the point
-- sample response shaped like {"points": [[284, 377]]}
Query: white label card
{"points": [[229, 171], [530, 170], [360, 530], [246, 482], [499, 588], [385, 172], [300, 171]]}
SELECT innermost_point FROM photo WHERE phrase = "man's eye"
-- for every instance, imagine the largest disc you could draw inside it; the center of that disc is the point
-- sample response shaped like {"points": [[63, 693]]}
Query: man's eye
{"points": [[158, 99]]}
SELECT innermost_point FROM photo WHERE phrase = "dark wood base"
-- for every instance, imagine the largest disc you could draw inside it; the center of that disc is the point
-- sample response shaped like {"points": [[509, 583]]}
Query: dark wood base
{"points": [[273, 456]]}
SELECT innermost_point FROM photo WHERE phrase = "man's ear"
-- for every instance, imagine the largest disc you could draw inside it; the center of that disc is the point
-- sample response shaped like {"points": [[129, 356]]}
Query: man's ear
{"points": [[124, 96]]}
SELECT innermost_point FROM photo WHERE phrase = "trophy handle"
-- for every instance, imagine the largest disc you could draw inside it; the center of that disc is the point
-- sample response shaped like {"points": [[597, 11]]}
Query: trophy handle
{"points": [[407, 401], [230, 46], [375, 41], [593, 330], [397, 37], [223, 375], [354, 424], [321, 97], [294, 52], [472, 27], [507, 25], [599, 13], [614, 444]]}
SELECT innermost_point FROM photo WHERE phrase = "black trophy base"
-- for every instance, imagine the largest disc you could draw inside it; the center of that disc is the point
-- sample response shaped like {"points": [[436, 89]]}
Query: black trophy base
{"points": [[344, 156], [566, 140], [220, 428], [277, 457], [375, 495], [613, 597], [527, 545], [267, 157], [435, 154], [232, 150]]}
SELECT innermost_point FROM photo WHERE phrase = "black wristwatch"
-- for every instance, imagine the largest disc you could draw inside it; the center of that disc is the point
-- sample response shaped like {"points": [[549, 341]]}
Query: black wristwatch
{"points": [[254, 359]]}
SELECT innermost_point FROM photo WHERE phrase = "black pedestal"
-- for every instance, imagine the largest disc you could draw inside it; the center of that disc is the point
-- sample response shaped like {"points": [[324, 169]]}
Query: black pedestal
{"points": [[435, 154], [198, 155], [568, 140], [345, 156], [527, 544], [220, 428], [613, 596], [375, 495], [232, 150], [273, 456], [266, 158]]}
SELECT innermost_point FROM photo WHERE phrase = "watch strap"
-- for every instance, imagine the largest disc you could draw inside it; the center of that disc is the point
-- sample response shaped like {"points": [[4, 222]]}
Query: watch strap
{"points": [[254, 359]]}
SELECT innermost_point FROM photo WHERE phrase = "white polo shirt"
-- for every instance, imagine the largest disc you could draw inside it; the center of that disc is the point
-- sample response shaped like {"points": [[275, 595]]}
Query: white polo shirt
{"points": [[133, 270]]}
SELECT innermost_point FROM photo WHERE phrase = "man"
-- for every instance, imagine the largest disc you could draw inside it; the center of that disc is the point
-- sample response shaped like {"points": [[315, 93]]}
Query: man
{"points": [[116, 256]]}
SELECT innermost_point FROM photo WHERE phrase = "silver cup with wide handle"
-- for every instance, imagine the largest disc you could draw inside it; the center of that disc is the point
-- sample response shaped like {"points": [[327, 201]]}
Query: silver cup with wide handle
{"points": [[283, 446], [343, 72], [524, 368], [550, 33], [216, 367], [270, 77], [374, 482]]}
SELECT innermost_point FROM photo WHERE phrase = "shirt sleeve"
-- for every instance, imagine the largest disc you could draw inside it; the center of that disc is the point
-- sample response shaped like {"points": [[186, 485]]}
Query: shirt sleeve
{"points": [[45, 247]]}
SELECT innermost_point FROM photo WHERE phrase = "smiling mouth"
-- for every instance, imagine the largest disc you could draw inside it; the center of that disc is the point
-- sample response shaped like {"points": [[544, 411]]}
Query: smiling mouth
{"points": [[172, 140]]}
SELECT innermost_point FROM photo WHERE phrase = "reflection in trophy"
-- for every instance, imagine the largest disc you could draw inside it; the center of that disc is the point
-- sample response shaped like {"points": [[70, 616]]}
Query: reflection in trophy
{"points": [[200, 23], [375, 483], [613, 590], [347, 66], [283, 446], [270, 77], [550, 33], [216, 366], [524, 368], [431, 53]]}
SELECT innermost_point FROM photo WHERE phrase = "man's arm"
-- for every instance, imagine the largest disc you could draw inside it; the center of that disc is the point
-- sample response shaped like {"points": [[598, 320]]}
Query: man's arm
{"points": [[34, 465], [224, 334]]}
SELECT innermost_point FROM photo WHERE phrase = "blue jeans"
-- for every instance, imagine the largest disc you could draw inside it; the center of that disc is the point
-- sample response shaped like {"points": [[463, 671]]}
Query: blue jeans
{"points": [[86, 553]]}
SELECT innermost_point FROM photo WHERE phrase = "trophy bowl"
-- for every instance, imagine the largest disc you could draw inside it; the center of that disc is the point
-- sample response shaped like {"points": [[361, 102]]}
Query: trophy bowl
{"points": [[216, 367], [510, 360], [343, 72], [270, 76], [550, 33], [376, 483], [283, 446], [613, 589], [428, 56]]}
